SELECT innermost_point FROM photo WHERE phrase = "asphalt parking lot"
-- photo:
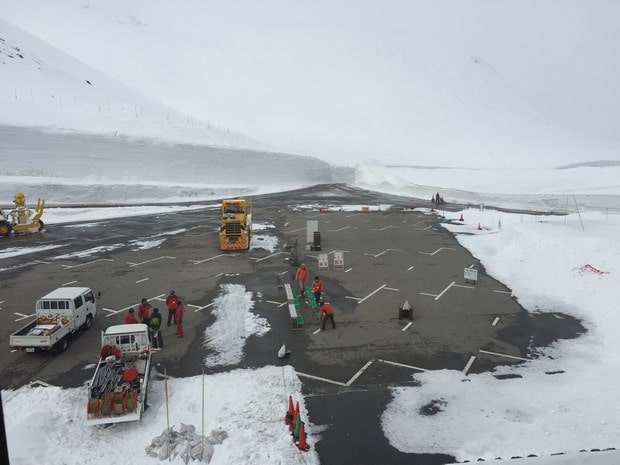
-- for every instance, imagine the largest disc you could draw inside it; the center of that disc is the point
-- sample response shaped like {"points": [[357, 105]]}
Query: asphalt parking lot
{"points": [[390, 255]]}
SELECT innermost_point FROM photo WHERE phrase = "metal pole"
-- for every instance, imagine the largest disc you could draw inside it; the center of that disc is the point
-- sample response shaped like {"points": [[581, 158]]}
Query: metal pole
{"points": [[167, 415]]}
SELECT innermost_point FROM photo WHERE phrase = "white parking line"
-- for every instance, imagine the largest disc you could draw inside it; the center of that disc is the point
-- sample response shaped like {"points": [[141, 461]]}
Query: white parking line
{"points": [[469, 363], [338, 383], [436, 251], [66, 267], [358, 374], [396, 364], [372, 293], [347, 270], [384, 228], [381, 253], [142, 280], [495, 321], [445, 290], [268, 256], [407, 327], [503, 355], [23, 317], [410, 268], [339, 229], [197, 262], [70, 282], [502, 292], [131, 265], [316, 331]]}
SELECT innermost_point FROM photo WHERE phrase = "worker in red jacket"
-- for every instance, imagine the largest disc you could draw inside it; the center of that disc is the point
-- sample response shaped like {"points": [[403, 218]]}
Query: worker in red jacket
{"points": [[317, 288], [326, 313], [130, 318], [171, 303], [180, 312], [301, 276], [144, 311]]}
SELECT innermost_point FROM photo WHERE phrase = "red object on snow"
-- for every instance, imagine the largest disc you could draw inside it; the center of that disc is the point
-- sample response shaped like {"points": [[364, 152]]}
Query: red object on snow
{"points": [[302, 444]]}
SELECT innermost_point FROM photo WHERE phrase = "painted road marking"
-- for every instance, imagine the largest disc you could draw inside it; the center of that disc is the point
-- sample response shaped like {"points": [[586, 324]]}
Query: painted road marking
{"points": [[298, 229], [198, 307], [66, 267], [502, 292], [445, 290], [384, 228], [131, 265], [360, 300], [197, 262], [402, 365], [23, 317], [338, 383], [464, 287], [358, 374], [346, 271], [339, 229], [316, 331], [391, 289], [265, 258], [142, 280], [503, 355], [469, 363], [66, 284], [436, 251], [381, 253], [495, 321], [407, 327], [351, 216], [410, 268]]}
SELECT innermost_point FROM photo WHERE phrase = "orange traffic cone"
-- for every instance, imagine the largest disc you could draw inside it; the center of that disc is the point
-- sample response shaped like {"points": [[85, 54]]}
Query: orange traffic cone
{"points": [[302, 444], [290, 414], [461, 218], [479, 228]]}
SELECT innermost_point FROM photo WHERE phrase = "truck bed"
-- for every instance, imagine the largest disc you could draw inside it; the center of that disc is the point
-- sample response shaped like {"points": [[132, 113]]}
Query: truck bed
{"points": [[112, 398]]}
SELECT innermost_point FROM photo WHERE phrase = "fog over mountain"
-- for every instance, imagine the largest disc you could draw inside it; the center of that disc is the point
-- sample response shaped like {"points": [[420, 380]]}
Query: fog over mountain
{"points": [[444, 83]]}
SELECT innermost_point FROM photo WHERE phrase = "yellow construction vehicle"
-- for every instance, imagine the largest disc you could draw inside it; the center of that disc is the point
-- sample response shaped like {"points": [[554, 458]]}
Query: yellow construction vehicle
{"points": [[22, 219], [236, 227]]}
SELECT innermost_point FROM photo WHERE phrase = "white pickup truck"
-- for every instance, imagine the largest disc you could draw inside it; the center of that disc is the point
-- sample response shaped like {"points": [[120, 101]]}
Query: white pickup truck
{"points": [[117, 391], [58, 314]]}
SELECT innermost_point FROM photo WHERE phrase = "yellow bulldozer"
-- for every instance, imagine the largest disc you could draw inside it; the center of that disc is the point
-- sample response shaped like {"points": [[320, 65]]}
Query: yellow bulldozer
{"points": [[236, 228], [21, 219]]}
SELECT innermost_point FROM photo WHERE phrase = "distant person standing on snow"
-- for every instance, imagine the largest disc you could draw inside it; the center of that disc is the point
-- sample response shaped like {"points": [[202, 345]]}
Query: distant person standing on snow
{"points": [[180, 312], [171, 303], [317, 288], [301, 276]]}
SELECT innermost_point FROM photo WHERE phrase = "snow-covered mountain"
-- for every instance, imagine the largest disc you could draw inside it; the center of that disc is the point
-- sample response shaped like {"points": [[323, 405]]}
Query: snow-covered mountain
{"points": [[445, 83], [42, 86]]}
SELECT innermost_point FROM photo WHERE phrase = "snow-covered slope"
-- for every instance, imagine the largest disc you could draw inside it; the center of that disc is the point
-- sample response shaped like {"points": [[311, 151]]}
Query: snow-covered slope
{"points": [[427, 83], [42, 86]]}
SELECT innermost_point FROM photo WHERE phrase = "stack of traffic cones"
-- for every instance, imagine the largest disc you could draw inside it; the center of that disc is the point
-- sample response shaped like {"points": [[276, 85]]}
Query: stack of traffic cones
{"points": [[290, 414]]}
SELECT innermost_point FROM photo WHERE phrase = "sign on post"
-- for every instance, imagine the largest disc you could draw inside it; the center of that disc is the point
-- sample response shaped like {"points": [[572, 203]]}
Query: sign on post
{"points": [[323, 262], [471, 274], [338, 260]]}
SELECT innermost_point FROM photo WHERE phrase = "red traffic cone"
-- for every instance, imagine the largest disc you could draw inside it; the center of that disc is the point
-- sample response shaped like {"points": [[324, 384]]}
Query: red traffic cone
{"points": [[290, 414], [461, 218], [296, 417], [479, 228], [302, 444]]}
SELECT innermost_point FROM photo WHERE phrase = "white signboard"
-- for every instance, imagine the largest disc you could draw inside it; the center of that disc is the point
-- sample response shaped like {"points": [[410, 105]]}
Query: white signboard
{"points": [[471, 274], [338, 260], [323, 262]]}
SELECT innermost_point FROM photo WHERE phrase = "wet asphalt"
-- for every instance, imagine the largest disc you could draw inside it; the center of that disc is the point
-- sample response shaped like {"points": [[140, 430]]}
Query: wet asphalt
{"points": [[392, 254]]}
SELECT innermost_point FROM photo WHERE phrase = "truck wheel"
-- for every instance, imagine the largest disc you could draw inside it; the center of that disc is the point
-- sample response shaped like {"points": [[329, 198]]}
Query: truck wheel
{"points": [[5, 228], [89, 322], [62, 345], [41, 225]]}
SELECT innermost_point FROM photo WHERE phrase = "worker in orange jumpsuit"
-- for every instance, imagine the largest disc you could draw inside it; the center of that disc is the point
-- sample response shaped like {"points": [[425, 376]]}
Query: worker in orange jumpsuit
{"points": [[317, 288], [144, 311], [180, 312], [130, 318], [171, 303], [301, 276], [326, 313]]}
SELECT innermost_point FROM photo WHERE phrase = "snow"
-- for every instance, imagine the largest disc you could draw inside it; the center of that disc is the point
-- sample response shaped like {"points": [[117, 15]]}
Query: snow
{"points": [[433, 105]]}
